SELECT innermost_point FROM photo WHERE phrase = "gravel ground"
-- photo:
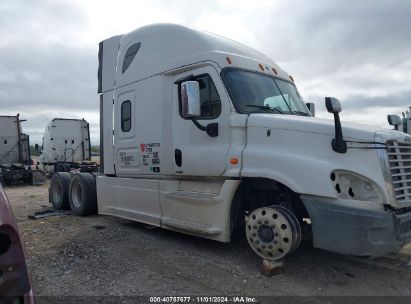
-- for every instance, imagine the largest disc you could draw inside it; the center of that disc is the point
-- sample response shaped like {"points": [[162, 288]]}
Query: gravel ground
{"points": [[102, 255]]}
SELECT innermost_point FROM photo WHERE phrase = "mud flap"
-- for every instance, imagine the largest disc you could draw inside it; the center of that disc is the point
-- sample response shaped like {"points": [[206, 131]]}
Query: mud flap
{"points": [[38, 177]]}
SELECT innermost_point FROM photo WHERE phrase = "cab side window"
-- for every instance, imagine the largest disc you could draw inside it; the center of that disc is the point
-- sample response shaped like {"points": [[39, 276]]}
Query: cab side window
{"points": [[209, 98], [126, 116]]}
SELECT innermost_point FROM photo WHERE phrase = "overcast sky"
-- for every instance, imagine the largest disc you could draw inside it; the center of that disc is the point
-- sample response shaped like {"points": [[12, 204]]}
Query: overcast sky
{"points": [[357, 51]]}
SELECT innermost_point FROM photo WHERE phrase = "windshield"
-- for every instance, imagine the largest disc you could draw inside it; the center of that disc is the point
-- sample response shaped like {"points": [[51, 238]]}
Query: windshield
{"points": [[258, 93]]}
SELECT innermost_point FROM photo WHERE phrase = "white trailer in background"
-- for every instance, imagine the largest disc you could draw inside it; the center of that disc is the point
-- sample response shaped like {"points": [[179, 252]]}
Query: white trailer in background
{"points": [[66, 146], [15, 159], [199, 132], [14, 145]]}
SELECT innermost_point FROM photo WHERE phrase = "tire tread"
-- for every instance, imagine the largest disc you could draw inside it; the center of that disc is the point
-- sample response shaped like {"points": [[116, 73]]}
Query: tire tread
{"points": [[64, 178], [88, 186]]}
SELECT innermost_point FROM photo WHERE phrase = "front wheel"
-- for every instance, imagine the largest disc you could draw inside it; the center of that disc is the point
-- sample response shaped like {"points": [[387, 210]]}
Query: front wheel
{"points": [[273, 232]]}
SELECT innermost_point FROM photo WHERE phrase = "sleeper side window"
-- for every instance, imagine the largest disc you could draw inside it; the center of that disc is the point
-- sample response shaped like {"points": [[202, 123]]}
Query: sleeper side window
{"points": [[129, 56], [126, 116], [209, 98]]}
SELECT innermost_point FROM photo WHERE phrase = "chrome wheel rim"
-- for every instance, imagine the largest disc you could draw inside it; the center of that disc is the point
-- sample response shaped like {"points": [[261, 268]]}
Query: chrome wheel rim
{"points": [[76, 195], [273, 232]]}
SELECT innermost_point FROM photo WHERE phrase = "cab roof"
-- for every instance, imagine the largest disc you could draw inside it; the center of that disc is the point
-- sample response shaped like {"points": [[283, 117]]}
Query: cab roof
{"points": [[162, 48]]}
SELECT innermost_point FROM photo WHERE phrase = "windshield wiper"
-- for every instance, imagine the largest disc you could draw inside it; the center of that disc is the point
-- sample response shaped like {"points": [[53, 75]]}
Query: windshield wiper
{"points": [[265, 108], [301, 113]]}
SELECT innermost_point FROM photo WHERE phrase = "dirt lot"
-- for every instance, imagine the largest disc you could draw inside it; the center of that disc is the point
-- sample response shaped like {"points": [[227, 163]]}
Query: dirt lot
{"points": [[101, 255]]}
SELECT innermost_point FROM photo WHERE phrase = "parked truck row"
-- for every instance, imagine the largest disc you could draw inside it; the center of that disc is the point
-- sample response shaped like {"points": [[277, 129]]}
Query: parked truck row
{"points": [[205, 136], [66, 146]]}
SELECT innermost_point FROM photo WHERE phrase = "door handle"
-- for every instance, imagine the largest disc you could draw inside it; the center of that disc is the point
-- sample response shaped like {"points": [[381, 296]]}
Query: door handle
{"points": [[178, 157]]}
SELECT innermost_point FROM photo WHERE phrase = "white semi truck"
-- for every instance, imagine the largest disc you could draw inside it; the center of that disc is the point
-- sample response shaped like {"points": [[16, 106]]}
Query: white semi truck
{"points": [[206, 136], [401, 124], [15, 159], [66, 146]]}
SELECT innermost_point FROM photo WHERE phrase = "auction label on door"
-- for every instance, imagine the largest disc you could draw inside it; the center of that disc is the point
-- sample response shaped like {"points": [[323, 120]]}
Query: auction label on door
{"points": [[129, 158], [150, 156]]}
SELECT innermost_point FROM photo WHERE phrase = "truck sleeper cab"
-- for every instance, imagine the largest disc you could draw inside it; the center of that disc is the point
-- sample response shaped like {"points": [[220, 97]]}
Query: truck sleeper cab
{"points": [[66, 145], [15, 158], [199, 132]]}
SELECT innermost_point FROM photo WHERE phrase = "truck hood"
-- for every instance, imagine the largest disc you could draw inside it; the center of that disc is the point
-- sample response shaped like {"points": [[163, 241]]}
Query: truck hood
{"points": [[311, 125]]}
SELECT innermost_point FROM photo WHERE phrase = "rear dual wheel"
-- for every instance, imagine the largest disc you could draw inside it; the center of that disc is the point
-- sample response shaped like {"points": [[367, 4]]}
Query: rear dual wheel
{"points": [[273, 232], [77, 192], [59, 190], [82, 196]]}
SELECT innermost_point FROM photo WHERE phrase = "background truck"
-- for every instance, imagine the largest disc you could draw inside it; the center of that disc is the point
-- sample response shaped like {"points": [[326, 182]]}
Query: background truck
{"points": [[206, 136], [66, 146], [401, 123], [15, 160]]}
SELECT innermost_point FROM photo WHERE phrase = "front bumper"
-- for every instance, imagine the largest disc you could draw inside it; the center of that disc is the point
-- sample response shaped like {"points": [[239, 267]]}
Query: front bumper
{"points": [[356, 231]]}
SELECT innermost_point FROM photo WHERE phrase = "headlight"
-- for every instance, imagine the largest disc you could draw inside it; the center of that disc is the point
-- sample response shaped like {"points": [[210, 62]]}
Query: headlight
{"points": [[349, 185]]}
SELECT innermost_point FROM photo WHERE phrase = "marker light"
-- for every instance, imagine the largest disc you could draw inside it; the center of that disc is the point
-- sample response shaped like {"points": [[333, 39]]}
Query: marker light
{"points": [[274, 71], [261, 67], [234, 161], [228, 60], [292, 79]]}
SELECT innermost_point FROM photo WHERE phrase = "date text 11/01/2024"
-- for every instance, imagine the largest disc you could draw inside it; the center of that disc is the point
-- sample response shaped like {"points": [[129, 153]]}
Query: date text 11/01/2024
{"points": [[205, 299]]}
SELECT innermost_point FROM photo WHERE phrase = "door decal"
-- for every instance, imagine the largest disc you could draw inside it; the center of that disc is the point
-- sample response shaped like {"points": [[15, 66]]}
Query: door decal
{"points": [[128, 157], [150, 156]]}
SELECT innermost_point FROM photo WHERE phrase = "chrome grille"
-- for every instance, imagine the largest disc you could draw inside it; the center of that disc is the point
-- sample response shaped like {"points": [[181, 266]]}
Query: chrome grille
{"points": [[399, 159]]}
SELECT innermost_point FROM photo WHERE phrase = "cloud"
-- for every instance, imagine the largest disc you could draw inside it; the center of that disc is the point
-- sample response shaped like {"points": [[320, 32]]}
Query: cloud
{"points": [[44, 73], [348, 47], [357, 51], [393, 101]]}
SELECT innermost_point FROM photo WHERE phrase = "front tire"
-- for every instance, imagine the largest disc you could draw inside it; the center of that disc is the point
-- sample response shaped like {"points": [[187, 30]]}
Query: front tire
{"points": [[83, 196], [273, 232]]}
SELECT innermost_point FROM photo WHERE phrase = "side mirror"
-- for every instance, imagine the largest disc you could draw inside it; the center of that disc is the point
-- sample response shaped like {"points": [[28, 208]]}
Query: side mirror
{"points": [[338, 143], [333, 105], [190, 99], [311, 107], [394, 120], [36, 148]]}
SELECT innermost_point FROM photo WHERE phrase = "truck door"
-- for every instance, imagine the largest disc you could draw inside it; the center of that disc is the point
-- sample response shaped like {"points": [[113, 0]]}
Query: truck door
{"points": [[131, 194], [127, 160], [195, 152]]}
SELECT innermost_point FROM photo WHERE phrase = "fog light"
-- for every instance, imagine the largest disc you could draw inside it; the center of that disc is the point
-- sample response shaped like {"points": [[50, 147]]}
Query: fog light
{"points": [[5, 243]]}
